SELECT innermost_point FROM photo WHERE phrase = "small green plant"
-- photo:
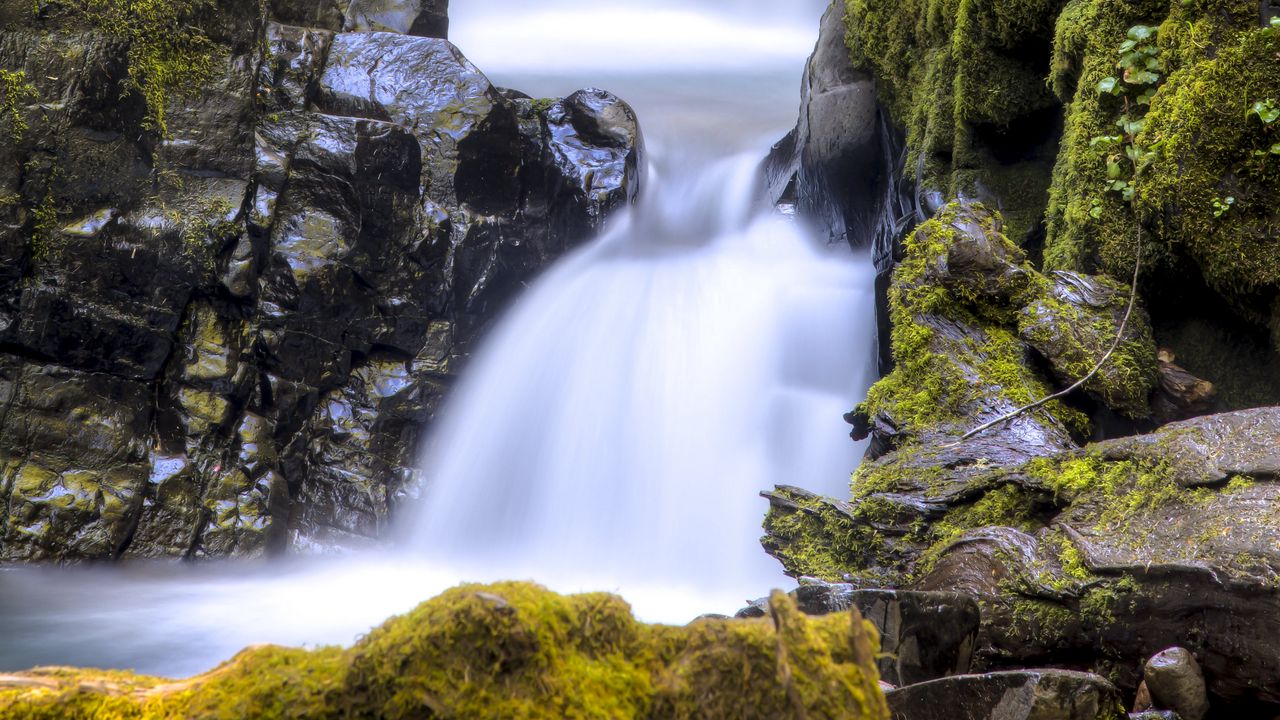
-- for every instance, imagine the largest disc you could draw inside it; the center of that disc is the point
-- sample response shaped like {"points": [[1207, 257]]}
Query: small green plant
{"points": [[1267, 112], [1141, 72], [1222, 205], [16, 90]]}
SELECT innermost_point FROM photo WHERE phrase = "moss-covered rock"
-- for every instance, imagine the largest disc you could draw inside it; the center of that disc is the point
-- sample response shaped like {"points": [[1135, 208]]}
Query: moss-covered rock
{"points": [[1204, 202], [963, 303], [509, 650], [965, 79], [1099, 556], [974, 324]]}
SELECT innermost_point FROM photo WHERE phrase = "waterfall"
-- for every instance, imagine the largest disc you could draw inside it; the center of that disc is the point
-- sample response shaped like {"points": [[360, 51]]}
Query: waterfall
{"points": [[620, 422], [616, 427]]}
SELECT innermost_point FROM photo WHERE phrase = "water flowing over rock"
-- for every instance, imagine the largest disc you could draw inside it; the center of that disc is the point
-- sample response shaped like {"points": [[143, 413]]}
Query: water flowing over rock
{"points": [[228, 311]]}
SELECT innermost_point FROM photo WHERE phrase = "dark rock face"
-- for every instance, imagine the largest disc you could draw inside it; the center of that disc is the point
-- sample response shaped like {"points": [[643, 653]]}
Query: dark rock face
{"points": [[829, 165], [227, 336], [426, 18], [1026, 695]]}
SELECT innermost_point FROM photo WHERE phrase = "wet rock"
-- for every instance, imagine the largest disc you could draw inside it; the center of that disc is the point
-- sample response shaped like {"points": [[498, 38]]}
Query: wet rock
{"points": [[827, 165], [1142, 701], [280, 280], [1074, 324], [1155, 715], [1180, 395], [1023, 695], [428, 18], [923, 636], [1176, 683]]}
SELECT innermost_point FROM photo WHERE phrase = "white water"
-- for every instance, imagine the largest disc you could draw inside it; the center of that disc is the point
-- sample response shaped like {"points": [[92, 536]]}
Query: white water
{"points": [[615, 430]]}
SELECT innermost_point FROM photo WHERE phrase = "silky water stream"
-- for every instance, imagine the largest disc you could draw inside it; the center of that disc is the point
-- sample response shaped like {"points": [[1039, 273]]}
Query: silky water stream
{"points": [[615, 428]]}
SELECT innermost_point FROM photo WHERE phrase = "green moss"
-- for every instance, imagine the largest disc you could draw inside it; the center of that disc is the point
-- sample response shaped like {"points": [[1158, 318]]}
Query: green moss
{"points": [[814, 537], [1116, 494], [168, 53], [46, 245], [1077, 341], [14, 91], [931, 384], [953, 73], [1207, 147], [509, 650]]}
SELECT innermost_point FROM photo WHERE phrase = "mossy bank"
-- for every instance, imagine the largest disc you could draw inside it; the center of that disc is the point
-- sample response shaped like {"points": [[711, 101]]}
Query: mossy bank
{"points": [[508, 650]]}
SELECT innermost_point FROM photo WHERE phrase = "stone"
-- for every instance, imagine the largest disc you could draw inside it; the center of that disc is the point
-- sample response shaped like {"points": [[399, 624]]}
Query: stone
{"points": [[1142, 700], [923, 636], [1176, 683], [1016, 695], [426, 18], [278, 284], [829, 165]]}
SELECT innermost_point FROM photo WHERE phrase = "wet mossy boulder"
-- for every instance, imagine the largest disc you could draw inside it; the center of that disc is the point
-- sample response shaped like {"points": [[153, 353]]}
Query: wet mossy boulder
{"points": [[1103, 555], [968, 311], [506, 651], [978, 334]]}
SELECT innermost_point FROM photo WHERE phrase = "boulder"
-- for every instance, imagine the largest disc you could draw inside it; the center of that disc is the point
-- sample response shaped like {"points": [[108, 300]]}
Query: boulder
{"points": [[275, 259], [1021, 695], [923, 636], [828, 166], [1174, 679]]}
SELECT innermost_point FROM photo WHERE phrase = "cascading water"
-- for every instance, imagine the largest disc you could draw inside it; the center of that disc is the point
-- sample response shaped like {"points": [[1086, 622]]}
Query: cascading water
{"points": [[622, 419], [614, 430]]}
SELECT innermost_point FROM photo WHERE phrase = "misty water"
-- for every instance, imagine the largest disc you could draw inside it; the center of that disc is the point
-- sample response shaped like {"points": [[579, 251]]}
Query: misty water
{"points": [[614, 430]]}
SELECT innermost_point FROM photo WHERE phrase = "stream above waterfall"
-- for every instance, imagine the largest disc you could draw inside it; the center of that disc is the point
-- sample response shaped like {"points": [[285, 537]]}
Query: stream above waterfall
{"points": [[615, 428]]}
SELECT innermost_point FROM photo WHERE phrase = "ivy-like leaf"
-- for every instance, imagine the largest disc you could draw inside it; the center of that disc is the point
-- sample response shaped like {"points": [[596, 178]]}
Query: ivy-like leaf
{"points": [[1141, 32], [1266, 111], [1108, 85], [1141, 77]]}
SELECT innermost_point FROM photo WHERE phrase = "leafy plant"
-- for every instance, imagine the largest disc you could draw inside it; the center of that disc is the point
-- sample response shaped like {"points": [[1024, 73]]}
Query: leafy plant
{"points": [[1222, 205], [1136, 85], [16, 89], [1266, 111]]}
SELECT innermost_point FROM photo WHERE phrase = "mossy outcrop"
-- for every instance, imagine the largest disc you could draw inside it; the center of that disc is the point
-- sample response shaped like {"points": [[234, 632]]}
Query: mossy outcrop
{"points": [[965, 79], [509, 650], [1032, 107], [1093, 556], [974, 327]]}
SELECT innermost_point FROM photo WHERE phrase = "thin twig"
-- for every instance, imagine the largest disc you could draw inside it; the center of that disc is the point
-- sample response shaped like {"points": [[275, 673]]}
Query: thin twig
{"points": [[1124, 324]]}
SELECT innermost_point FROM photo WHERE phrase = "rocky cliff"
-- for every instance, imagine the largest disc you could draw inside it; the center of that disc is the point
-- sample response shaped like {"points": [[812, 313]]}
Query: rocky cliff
{"points": [[245, 249]]}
